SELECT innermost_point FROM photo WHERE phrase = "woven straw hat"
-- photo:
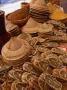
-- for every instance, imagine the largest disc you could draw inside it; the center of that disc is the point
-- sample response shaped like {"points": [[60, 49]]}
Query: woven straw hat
{"points": [[16, 50], [32, 27], [39, 5]]}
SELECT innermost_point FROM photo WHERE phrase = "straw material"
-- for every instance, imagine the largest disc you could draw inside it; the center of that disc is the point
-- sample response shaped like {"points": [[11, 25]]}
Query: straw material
{"points": [[46, 28], [32, 2], [39, 5], [19, 16], [15, 51], [39, 11], [32, 27]]}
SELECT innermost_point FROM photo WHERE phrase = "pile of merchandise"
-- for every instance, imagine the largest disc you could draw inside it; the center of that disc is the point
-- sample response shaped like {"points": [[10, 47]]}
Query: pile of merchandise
{"points": [[36, 54]]}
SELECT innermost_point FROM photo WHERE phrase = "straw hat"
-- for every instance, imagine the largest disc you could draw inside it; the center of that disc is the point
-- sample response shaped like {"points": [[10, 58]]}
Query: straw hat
{"points": [[39, 11], [16, 50], [31, 26], [39, 5]]}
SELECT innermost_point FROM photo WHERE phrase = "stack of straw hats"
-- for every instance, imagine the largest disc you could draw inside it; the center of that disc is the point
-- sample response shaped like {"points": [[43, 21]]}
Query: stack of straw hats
{"points": [[39, 11], [16, 50]]}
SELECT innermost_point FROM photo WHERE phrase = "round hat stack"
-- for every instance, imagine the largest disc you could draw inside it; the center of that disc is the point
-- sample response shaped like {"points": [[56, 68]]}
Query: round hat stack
{"points": [[15, 51], [39, 11]]}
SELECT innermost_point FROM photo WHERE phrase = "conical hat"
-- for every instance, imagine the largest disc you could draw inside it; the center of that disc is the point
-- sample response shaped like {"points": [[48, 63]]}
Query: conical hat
{"points": [[39, 5]]}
